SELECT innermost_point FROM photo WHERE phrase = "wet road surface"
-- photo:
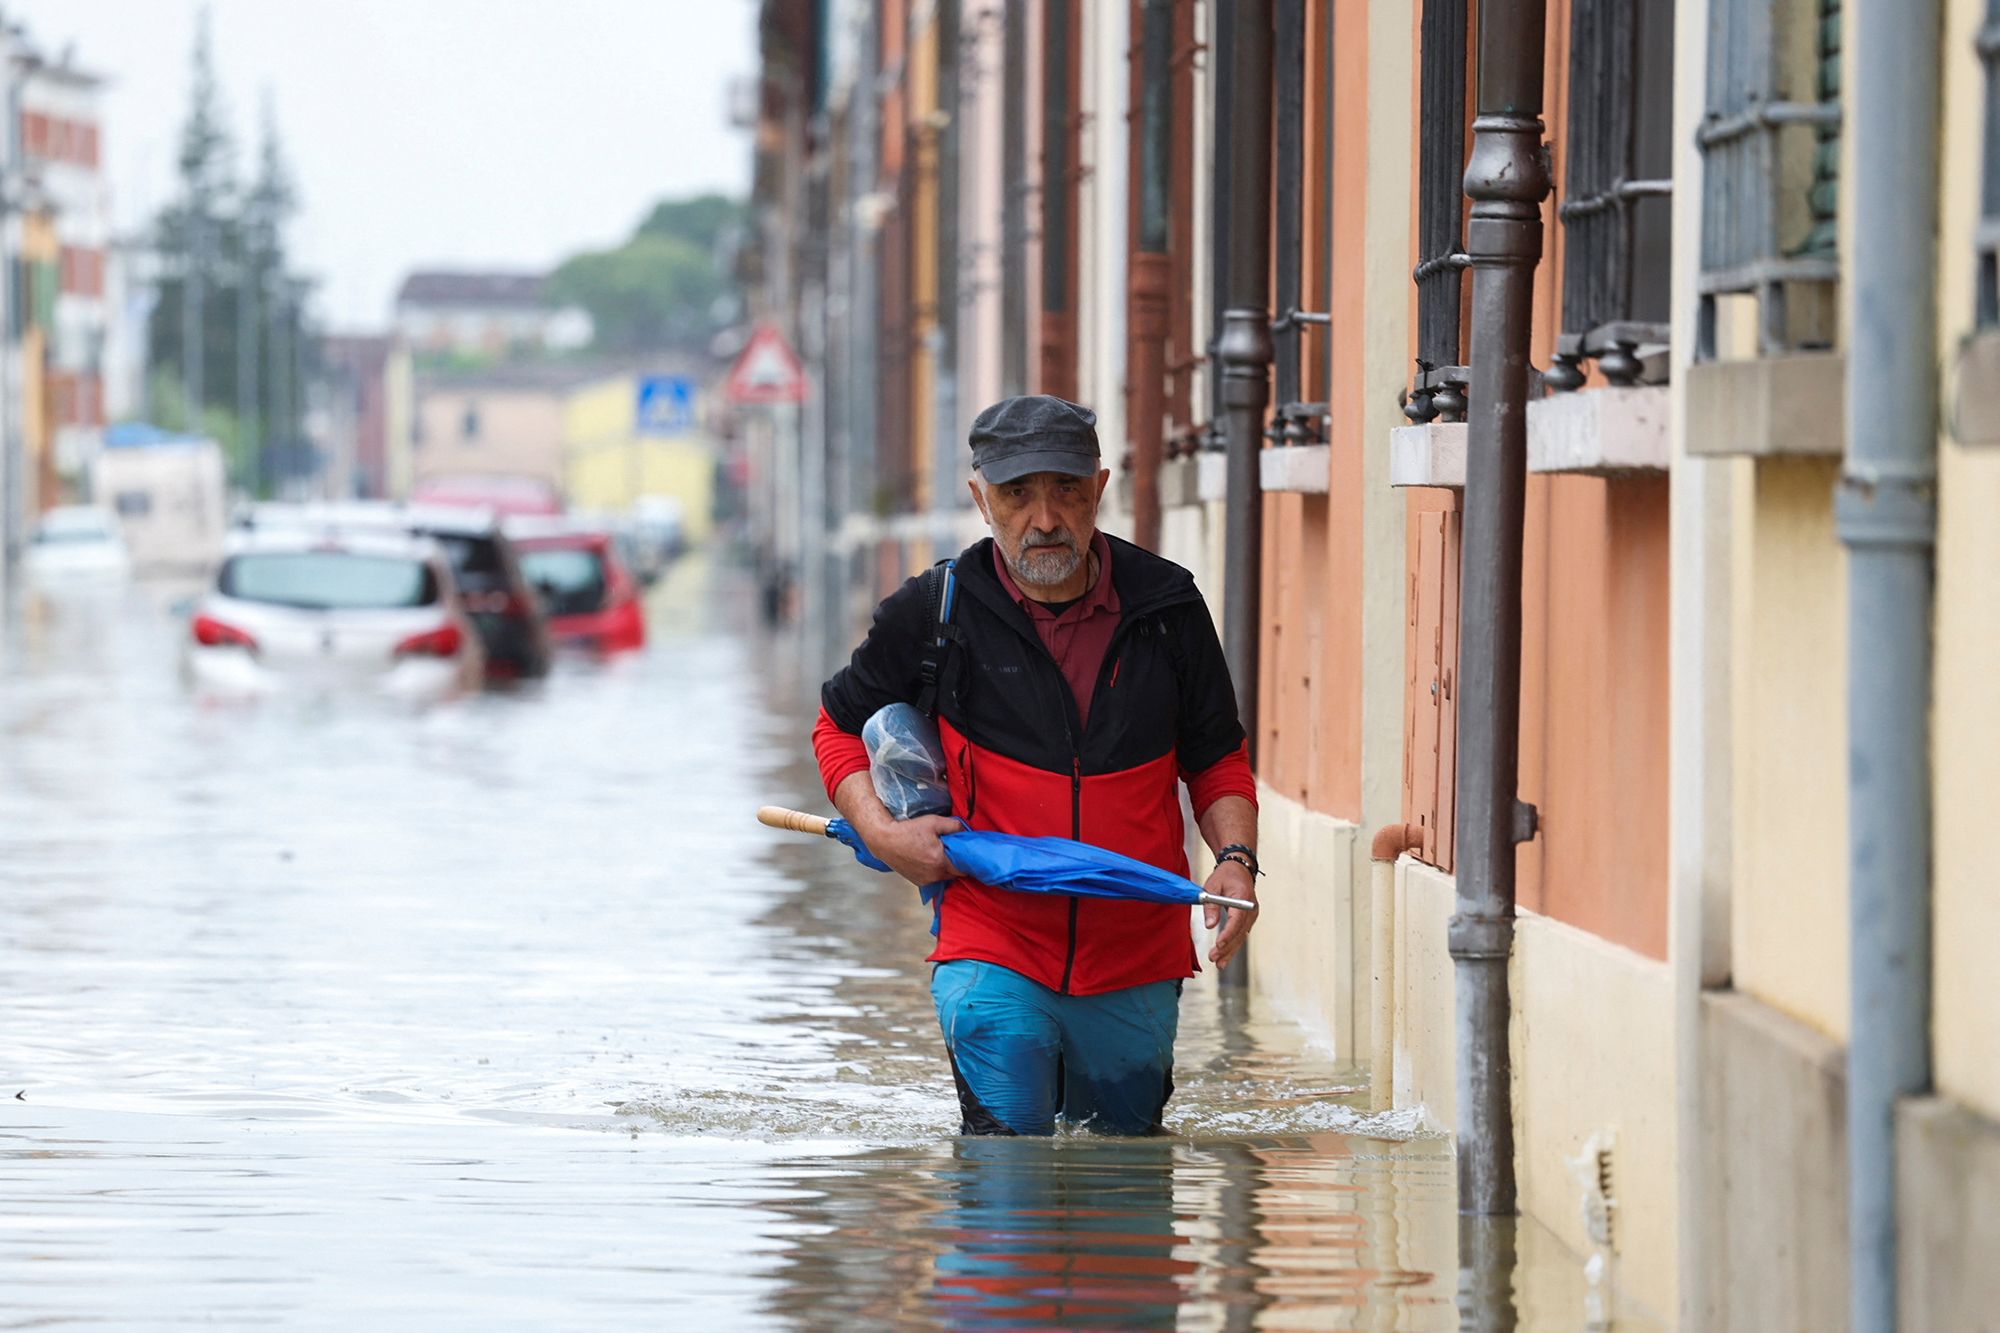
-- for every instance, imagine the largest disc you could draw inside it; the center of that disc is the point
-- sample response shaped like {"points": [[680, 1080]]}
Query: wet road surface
{"points": [[507, 1014]]}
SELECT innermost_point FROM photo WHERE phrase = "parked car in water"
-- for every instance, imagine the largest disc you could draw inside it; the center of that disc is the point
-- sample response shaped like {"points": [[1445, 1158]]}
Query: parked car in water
{"points": [[591, 598], [298, 610], [78, 544], [487, 569]]}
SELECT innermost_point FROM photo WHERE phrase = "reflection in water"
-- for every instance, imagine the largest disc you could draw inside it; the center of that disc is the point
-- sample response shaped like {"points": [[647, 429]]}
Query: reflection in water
{"points": [[1078, 1232], [507, 1014]]}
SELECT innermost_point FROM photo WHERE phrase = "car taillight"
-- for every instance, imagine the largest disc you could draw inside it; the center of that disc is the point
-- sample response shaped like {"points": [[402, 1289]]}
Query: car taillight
{"points": [[212, 633], [503, 603], [442, 642]]}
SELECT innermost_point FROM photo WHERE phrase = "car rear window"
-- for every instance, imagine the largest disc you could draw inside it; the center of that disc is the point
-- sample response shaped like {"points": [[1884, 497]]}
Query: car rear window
{"points": [[476, 561], [571, 581], [329, 580]]}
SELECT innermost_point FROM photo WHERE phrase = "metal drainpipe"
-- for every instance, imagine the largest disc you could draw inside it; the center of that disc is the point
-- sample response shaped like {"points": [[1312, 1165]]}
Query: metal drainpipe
{"points": [[1506, 179], [1886, 511], [1147, 317], [1014, 201], [1245, 352], [947, 495]]}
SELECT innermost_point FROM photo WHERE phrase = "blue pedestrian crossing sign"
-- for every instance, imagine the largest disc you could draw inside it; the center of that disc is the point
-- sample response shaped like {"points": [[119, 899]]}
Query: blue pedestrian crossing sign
{"points": [[666, 405]]}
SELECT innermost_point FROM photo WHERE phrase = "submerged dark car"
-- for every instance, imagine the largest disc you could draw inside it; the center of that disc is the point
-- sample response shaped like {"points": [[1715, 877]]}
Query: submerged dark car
{"points": [[493, 586]]}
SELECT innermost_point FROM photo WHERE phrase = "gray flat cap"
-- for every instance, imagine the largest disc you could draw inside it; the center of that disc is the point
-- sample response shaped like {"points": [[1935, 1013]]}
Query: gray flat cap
{"points": [[1036, 432]]}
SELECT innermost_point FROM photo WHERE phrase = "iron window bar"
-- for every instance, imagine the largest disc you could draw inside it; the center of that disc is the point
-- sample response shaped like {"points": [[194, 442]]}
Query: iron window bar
{"points": [[1986, 240], [1294, 422], [1614, 294], [1440, 272], [1747, 140], [1297, 423]]}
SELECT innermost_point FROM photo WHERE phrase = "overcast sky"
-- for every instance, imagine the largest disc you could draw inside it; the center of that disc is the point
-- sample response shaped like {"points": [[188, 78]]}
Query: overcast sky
{"points": [[429, 132]]}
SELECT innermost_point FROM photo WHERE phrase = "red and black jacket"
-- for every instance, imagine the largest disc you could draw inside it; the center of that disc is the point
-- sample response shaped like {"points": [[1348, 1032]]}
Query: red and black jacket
{"points": [[1164, 709]]}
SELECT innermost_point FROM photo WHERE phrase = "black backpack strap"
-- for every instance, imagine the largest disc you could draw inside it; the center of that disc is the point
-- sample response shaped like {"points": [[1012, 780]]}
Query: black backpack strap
{"points": [[941, 594]]}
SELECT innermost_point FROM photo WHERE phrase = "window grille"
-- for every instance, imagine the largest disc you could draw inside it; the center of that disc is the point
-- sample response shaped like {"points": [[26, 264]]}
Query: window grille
{"points": [[1616, 192], [1761, 233], [1987, 239], [1293, 421], [1438, 392]]}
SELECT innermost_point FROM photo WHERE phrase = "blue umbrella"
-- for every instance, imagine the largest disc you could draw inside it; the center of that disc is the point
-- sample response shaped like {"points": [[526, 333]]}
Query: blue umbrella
{"points": [[1027, 865]]}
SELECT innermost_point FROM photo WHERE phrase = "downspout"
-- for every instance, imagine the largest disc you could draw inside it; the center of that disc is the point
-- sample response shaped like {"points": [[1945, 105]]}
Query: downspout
{"points": [[1506, 179], [1391, 841], [1014, 201], [1245, 352], [948, 495], [1886, 511], [1146, 351], [1245, 346], [1060, 58]]}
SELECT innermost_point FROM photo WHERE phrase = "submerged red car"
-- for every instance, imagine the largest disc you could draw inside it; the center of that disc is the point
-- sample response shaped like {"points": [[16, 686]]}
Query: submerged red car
{"points": [[590, 597]]}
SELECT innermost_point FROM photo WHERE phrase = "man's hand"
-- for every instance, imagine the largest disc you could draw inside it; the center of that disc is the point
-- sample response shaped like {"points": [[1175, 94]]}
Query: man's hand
{"points": [[912, 847], [1231, 879]]}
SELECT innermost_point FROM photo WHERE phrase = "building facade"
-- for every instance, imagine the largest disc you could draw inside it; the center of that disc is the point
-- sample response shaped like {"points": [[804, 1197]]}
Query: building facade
{"points": [[443, 314], [1705, 778], [55, 231]]}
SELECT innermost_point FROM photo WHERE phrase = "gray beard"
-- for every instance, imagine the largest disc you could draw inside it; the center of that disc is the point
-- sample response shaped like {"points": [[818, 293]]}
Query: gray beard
{"points": [[1047, 573]]}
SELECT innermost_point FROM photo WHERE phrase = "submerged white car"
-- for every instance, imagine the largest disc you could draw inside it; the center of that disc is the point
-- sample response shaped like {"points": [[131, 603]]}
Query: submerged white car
{"points": [[78, 543], [301, 610]]}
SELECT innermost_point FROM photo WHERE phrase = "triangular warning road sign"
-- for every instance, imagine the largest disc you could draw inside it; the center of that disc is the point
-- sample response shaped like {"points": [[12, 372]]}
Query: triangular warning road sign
{"points": [[766, 371]]}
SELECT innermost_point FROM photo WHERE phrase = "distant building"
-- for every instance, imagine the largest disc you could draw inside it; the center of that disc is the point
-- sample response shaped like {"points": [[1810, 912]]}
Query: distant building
{"points": [[65, 242], [364, 384], [500, 421], [485, 316]]}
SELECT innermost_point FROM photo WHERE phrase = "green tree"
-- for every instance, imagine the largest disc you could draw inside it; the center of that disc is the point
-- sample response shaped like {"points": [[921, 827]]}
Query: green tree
{"points": [[229, 329], [661, 289]]}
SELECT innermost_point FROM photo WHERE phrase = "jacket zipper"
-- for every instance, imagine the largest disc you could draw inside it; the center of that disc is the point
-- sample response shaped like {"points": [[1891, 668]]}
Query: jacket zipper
{"points": [[1076, 833]]}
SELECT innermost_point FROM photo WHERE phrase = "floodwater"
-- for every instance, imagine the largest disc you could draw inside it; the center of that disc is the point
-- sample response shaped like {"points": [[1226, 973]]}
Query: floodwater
{"points": [[506, 1014]]}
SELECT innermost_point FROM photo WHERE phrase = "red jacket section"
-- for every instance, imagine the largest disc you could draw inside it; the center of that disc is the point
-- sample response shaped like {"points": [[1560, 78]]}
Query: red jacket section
{"points": [[1021, 760]]}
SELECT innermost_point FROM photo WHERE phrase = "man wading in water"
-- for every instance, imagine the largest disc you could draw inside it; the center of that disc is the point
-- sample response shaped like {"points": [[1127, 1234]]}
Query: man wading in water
{"points": [[1084, 684]]}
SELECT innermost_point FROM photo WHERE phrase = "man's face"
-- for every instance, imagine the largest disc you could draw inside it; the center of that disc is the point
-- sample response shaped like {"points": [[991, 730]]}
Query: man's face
{"points": [[1043, 523]]}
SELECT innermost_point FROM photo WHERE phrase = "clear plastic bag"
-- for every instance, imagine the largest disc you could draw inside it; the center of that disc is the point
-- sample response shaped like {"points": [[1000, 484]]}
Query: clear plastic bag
{"points": [[906, 762]]}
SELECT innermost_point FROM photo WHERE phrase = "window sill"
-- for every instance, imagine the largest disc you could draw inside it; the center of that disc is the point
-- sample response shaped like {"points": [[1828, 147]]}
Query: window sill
{"points": [[1428, 455], [1304, 469], [1194, 480], [1794, 405], [1600, 432], [1975, 408]]}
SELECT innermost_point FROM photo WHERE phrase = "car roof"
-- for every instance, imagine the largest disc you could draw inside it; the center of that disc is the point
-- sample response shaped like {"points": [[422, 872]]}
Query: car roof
{"points": [[379, 542], [545, 529], [77, 516], [448, 520], [571, 539]]}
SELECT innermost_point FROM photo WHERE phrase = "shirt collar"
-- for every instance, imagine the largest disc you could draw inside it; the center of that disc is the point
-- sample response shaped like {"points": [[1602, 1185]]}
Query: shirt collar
{"points": [[1103, 595]]}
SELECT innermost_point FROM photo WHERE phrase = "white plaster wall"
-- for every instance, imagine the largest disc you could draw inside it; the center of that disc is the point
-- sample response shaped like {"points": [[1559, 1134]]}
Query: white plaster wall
{"points": [[1303, 946], [980, 194], [1966, 921]]}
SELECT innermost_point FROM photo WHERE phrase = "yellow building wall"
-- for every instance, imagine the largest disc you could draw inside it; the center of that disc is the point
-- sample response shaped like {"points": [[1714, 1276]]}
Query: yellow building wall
{"points": [[1966, 991], [1788, 910], [607, 464]]}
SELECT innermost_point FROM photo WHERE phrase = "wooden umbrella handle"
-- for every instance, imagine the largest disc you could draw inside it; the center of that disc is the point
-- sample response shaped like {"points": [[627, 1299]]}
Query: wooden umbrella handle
{"points": [[797, 821]]}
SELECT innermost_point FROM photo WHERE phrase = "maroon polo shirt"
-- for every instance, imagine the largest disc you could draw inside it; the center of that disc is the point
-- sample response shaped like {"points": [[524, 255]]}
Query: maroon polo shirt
{"points": [[1077, 637]]}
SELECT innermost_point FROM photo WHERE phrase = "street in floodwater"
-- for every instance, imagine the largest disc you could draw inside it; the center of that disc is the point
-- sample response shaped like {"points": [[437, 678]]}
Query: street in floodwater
{"points": [[506, 1013]]}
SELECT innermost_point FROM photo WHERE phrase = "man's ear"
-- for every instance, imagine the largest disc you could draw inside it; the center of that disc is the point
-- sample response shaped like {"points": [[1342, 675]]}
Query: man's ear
{"points": [[1103, 480], [979, 497]]}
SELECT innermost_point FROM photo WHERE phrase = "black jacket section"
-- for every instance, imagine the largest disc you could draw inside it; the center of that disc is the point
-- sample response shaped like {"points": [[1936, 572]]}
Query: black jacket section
{"points": [[1165, 684]]}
